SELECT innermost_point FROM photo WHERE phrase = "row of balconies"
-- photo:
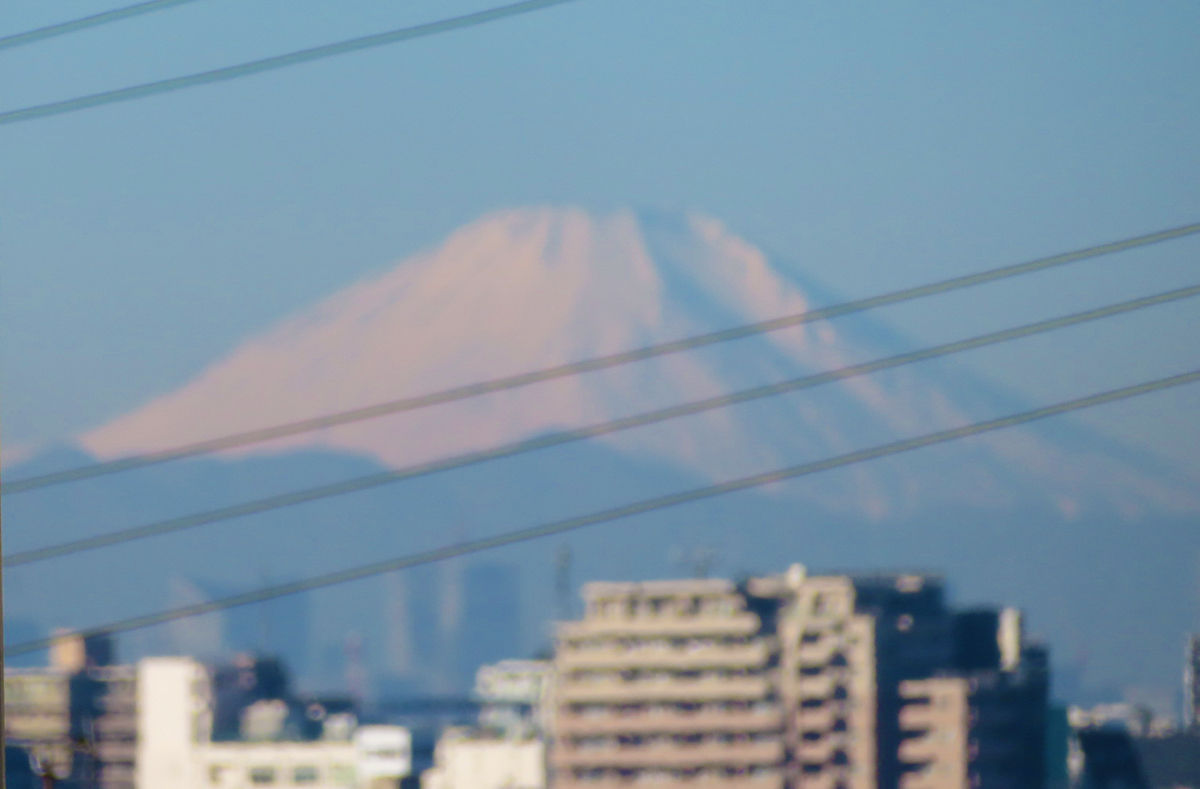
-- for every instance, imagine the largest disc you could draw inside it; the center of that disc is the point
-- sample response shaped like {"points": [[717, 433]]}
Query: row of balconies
{"points": [[761, 781], [659, 674], [741, 624], [752, 654], [670, 756], [666, 689], [921, 717], [943, 747], [667, 722]]}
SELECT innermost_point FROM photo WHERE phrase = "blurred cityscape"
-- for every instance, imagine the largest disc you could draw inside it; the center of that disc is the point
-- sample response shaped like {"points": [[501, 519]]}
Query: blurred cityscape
{"points": [[797, 680]]}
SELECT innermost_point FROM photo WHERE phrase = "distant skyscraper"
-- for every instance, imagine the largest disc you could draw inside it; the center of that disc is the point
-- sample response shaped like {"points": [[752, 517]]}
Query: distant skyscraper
{"points": [[398, 640], [198, 636], [1191, 683], [491, 622], [449, 656]]}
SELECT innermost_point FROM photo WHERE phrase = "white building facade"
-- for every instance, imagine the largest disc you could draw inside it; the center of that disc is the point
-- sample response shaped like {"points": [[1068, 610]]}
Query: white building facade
{"points": [[470, 759], [175, 748]]}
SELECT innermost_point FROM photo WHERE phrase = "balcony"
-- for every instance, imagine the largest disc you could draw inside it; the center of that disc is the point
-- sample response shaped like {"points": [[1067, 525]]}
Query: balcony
{"points": [[818, 750], [930, 780], [754, 654], [670, 722], [670, 756], [747, 782], [820, 686], [739, 624], [818, 718], [818, 653], [922, 717], [615, 690]]}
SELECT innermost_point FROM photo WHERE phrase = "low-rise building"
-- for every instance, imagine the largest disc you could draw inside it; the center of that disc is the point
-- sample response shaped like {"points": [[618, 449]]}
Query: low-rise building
{"points": [[514, 696], [469, 758]]}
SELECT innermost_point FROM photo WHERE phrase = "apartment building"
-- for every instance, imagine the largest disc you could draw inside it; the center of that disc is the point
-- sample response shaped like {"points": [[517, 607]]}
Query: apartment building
{"points": [[37, 714], [795, 680], [667, 682]]}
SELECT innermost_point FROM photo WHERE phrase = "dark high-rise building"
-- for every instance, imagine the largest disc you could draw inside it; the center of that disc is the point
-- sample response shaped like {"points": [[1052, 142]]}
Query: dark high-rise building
{"points": [[1191, 683], [976, 646]]}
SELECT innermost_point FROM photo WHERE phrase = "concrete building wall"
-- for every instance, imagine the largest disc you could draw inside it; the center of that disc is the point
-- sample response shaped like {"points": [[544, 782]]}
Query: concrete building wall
{"points": [[937, 716], [173, 714], [464, 759], [241, 765], [828, 683]]}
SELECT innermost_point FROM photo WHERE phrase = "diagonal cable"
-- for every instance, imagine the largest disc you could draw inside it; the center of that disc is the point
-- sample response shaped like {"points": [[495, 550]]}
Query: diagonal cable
{"points": [[275, 62], [584, 366], [578, 434], [83, 23], [616, 513]]}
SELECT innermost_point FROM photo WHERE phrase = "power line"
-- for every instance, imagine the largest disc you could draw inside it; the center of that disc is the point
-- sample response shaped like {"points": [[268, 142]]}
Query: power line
{"points": [[585, 366], [83, 23], [366, 482], [275, 62], [616, 513]]}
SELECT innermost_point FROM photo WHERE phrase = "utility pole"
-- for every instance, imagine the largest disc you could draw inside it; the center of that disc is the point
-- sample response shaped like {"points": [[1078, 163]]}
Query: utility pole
{"points": [[3, 717]]}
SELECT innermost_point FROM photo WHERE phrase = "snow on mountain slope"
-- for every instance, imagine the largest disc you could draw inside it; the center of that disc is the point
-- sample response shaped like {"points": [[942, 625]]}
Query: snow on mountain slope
{"points": [[524, 289]]}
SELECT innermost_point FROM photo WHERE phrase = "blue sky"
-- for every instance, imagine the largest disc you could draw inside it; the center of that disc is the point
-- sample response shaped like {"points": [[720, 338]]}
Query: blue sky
{"points": [[873, 145]]}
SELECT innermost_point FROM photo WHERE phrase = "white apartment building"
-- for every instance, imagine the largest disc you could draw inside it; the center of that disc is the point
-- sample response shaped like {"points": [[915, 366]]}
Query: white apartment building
{"points": [[667, 683], [175, 748], [474, 759]]}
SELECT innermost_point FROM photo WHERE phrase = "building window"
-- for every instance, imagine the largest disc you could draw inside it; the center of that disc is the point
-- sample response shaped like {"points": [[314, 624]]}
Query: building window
{"points": [[305, 774], [342, 775], [262, 776]]}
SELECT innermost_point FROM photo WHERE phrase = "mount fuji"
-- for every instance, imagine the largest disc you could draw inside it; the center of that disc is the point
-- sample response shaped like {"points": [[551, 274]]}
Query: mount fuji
{"points": [[527, 289]]}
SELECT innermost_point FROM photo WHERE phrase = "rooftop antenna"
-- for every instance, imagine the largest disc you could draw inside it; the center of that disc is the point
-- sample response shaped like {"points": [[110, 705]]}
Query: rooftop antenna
{"points": [[562, 582], [698, 561], [264, 615], [356, 672]]}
